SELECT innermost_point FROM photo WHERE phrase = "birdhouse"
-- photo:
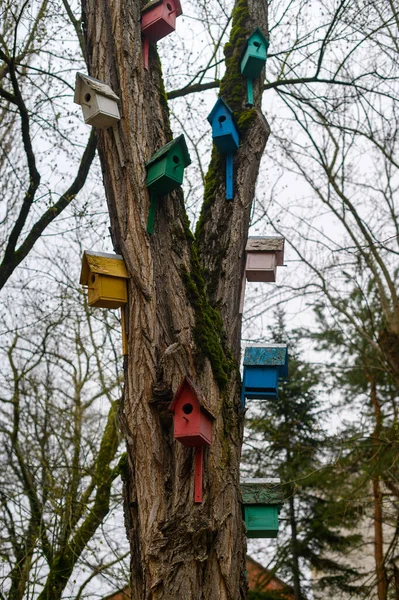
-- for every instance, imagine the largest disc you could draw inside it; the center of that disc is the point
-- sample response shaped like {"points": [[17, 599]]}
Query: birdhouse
{"points": [[264, 365], [226, 138], [99, 103], [192, 417], [224, 128], [165, 172], [158, 19], [263, 255], [255, 54], [192, 426], [105, 276], [262, 500], [253, 60]]}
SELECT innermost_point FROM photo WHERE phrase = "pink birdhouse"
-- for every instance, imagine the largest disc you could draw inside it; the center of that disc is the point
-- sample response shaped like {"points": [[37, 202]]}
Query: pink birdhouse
{"points": [[158, 19], [192, 426], [263, 255]]}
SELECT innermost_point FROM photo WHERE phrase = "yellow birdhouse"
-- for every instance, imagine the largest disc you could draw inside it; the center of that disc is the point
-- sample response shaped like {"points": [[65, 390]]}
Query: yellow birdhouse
{"points": [[105, 277]]}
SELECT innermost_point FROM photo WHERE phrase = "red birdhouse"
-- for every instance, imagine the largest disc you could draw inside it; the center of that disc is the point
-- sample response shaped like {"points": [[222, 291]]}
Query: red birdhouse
{"points": [[158, 20], [192, 420], [192, 425]]}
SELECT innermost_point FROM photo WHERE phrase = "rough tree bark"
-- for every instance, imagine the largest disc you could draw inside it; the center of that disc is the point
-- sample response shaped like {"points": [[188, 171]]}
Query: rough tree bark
{"points": [[183, 320]]}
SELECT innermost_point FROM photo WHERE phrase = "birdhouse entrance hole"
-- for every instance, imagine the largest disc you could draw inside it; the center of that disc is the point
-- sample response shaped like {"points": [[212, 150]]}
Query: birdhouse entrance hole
{"points": [[257, 45], [187, 409], [169, 7], [87, 97], [221, 119], [175, 159]]}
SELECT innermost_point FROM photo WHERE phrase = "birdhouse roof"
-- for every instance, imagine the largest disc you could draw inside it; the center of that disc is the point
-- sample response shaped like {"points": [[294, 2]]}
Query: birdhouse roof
{"points": [[261, 35], [156, 2], [275, 355], [261, 491], [220, 102], [179, 141], [202, 401], [269, 244], [100, 262], [95, 84]]}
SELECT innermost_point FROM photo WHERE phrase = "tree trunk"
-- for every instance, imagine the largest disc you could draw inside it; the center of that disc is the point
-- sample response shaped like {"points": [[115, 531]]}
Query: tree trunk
{"points": [[178, 549], [382, 584], [296, 573]]}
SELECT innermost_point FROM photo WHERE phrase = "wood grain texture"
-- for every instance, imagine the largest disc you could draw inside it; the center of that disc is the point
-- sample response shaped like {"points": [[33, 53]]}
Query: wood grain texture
{"points": [[179, 549]]}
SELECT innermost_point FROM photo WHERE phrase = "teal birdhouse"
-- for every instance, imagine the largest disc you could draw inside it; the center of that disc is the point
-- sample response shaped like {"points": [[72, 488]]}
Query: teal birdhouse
{"points": [[165, 172], [261, 500], [254, 59], [264, 365], [225, 137]]}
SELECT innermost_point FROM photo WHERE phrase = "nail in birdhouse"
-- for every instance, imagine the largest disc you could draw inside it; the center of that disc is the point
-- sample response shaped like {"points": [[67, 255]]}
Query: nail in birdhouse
{"points": [[263, 256], [165, 171], [158, 19], [226, 138], [254, 59], [99, 103], [264, 365], [192, 425], [262, 500]]}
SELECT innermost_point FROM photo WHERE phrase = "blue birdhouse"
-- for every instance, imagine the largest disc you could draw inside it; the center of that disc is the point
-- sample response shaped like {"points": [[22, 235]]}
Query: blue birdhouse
{"points": [[254, 59], [226, 138], [263, 367]]}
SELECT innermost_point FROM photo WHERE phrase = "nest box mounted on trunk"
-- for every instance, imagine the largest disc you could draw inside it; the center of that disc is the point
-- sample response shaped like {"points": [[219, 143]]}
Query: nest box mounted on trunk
{"points": [[105, 276], [262, 500], [99, 103], [192, 423], [226, 138], [264, 365], [165, 172], [254, 59], [263, 255], [158, 19]]}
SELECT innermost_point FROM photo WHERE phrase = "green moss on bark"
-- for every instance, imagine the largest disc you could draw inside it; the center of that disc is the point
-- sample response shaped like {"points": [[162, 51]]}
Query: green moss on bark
{"points": [[208, 333]]}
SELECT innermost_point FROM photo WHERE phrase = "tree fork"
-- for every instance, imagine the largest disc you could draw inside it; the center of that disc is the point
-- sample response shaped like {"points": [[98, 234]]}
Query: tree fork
{"points": [[178, 549]]}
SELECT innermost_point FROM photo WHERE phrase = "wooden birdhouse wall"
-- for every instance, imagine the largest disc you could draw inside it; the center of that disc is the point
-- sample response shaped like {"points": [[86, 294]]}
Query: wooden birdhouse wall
{"points": [[98, 110], [106, 292], [261, 267]]}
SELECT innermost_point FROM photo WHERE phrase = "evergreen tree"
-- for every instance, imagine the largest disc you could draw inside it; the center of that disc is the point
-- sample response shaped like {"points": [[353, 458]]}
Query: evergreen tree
{"points": [[286, 438]]}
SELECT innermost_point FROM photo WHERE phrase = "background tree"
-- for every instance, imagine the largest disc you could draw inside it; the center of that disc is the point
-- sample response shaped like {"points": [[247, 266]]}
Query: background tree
{"points": [[60, 451], [286, 439]]}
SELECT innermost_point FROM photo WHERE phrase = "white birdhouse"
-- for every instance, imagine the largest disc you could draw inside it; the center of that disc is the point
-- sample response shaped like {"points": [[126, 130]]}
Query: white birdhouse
{"points": [[263, 255], [99, 103]]}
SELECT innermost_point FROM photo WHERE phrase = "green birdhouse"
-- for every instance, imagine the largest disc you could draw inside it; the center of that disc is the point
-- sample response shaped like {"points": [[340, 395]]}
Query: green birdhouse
{"points": [[262, 499], [254, 56], [165, 172], [165, 169]]}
